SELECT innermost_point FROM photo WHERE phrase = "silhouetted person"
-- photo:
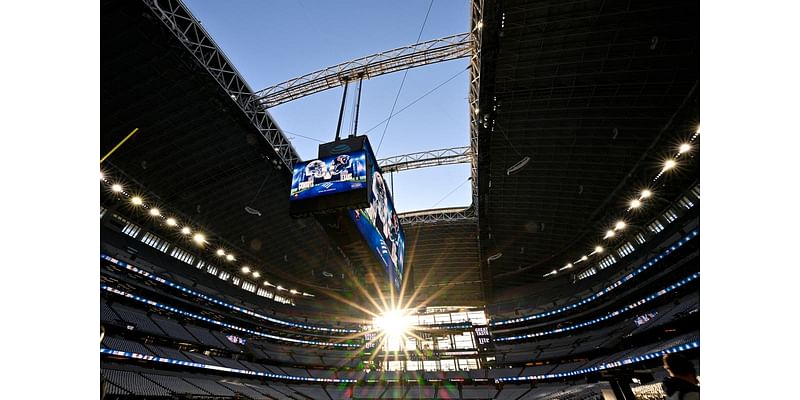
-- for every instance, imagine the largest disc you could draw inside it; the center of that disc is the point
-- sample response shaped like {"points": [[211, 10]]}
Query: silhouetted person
{"points": [[682, 382]]}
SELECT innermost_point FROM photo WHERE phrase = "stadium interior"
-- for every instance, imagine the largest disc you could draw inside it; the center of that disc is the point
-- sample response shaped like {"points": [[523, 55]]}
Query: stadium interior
{"points": [[573, 271]]}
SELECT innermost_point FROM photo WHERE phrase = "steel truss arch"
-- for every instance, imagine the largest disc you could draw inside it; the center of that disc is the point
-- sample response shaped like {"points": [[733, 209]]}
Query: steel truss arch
{"points": [[177, 18], [423, 159], [416, 55]]}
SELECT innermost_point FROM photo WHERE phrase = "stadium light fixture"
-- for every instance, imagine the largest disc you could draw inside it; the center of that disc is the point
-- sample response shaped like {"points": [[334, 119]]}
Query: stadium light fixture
{"points": [[598, 249], [568, 266], [155, 212], [646, 194], [136, 200], [230, 257], [636, 203], [220, 252], [171, 222], [669, 164], [620, 225], [609, 233], [256, 274], [199, 238], [584, 258], [245, 270], [684, 148], [186, 231], [117, 188]]}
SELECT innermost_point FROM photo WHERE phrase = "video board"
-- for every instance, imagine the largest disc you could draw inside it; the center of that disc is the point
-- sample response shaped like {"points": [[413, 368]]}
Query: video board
{"points": [[330, 182], [379, 224]]}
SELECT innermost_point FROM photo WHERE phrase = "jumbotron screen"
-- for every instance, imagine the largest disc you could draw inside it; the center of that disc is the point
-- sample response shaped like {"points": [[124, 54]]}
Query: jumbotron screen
{"points": [[329, 175], [315, 182], [380, 225]]}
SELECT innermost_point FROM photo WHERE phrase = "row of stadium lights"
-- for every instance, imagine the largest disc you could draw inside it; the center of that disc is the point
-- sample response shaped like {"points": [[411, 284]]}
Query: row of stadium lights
{"points": [[635, 203], [198, 237]]}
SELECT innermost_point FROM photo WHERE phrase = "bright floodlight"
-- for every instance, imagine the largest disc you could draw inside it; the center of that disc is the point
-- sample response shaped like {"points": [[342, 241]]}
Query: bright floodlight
{"points": [[598, 249], [116, 187], [136, 200], [229, 257], [185, 230], [584, 258], [220, 252], [155, 212], [392, 323], [246, 270], [636, 203], [669, 164], [684, 148], [199, 238], [256, 274], [609, 233], [646, 193], [171, 222], [620, 225]]}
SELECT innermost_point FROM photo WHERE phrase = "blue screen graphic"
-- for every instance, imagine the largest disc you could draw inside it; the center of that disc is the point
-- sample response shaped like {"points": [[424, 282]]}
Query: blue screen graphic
{"points": [[380, 227], [329, 175]]}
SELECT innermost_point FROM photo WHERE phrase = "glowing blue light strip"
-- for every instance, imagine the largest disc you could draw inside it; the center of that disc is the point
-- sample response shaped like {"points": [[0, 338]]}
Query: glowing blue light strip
{"points": [[613, 314], [631, 360], [132, 268], [691, 235], [644, 357], [220, 323], [164, 360]]}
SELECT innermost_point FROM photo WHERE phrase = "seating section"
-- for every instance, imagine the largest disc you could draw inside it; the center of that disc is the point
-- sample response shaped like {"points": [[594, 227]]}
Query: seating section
{"points": [[204, 336], [174, 329], [512, 392], [134, 383], [468, 392], [107, 314], [210, 386], [138, 319], [503, 372], [167, 352], [175, 384], [126, 345]]}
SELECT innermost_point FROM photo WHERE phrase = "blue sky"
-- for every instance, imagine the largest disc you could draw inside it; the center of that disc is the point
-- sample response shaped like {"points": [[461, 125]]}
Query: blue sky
{"points": [[272, 41]]}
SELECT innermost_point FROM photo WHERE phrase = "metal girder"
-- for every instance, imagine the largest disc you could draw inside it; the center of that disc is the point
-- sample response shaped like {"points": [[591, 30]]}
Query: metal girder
{"points": [[430, 52], [432, 158], [474, 91], [470, 213], [180, 21], [440, 215]]}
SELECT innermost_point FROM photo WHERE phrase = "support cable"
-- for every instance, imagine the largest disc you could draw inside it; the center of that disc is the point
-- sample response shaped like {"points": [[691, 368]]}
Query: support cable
{"points": [[405, 73]]}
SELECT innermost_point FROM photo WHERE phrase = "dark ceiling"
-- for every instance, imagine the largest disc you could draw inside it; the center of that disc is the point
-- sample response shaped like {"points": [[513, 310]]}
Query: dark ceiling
{"points": [[594, 92], [588, 90]]}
